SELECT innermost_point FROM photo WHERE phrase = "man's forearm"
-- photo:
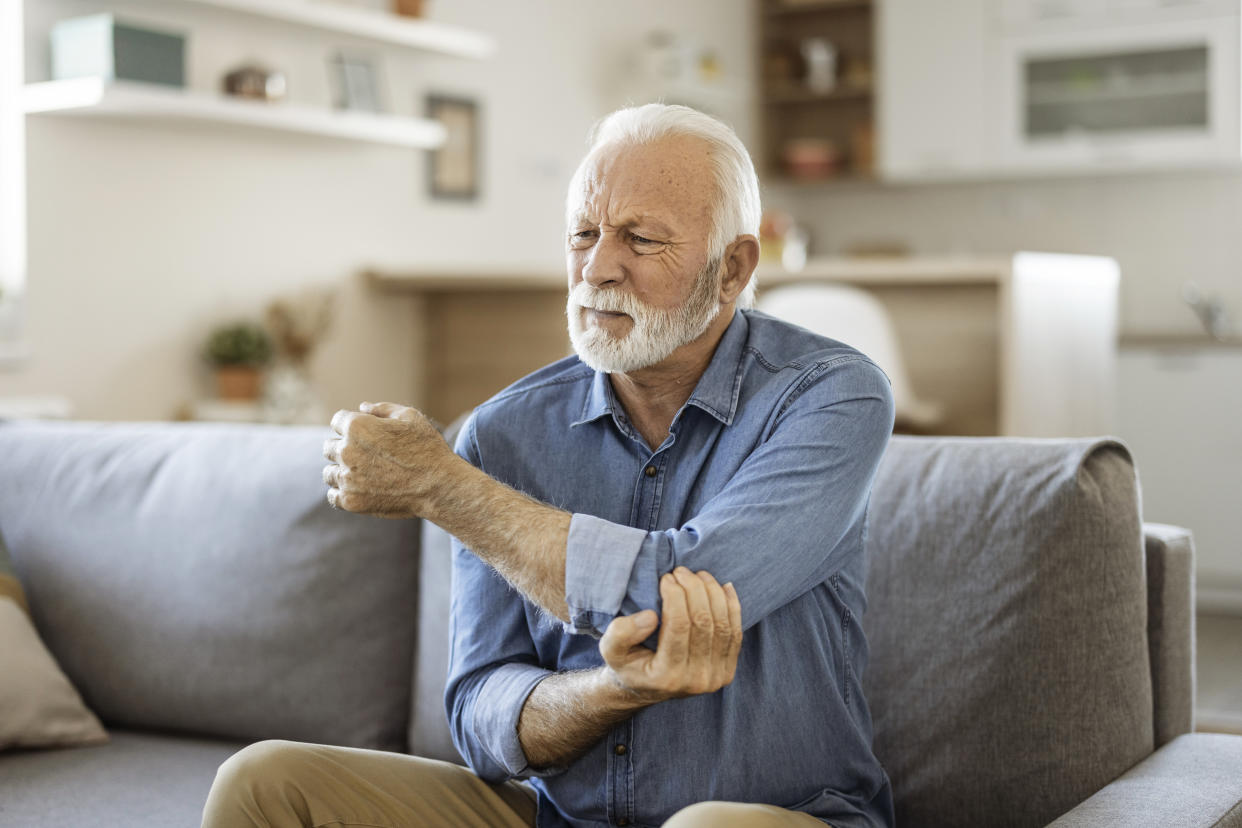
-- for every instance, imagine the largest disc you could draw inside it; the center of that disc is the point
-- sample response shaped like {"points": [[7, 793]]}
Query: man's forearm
{"points": [[521, 538], [567, 713]]}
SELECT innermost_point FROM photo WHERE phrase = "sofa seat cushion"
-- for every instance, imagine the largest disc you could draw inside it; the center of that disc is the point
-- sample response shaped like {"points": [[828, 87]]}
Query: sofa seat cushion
{"points": [[192, 577], [1009, 676], [138, 780]]}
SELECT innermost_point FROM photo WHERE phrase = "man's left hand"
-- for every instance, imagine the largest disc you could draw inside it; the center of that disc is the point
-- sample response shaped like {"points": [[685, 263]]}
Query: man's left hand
{"points": [[385, 462]]}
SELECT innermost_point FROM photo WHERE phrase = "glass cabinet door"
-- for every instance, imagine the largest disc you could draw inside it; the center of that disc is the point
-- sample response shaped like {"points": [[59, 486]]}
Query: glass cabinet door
{"points": [[1124, 92]]}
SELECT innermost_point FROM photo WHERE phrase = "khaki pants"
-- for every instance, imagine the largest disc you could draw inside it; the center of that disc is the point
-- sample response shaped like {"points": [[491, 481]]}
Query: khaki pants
{"points": [[293, 785]]}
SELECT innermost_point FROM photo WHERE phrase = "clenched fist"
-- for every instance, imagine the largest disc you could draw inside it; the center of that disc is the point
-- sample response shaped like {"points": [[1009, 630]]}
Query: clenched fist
{"points": [[385, 462]]}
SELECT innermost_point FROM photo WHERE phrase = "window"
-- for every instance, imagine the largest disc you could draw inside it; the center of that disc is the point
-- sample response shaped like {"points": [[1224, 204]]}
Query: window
{"points": [[12, 178]]}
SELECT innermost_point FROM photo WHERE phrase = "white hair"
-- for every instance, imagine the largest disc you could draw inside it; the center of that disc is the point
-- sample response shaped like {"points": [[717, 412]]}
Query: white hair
{"points": [[736, 211]]}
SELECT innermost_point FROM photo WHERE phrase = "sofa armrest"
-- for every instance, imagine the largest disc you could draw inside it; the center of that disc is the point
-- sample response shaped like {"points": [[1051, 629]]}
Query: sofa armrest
{"points": [[1170, 628], [1194, 780]]}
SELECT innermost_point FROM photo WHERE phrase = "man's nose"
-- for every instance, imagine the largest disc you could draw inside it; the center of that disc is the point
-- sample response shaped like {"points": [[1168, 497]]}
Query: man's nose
{"points": [[604, 264]]}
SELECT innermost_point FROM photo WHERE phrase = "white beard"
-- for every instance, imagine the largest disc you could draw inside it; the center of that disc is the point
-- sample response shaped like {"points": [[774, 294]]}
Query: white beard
{"points": [[655, 333]]}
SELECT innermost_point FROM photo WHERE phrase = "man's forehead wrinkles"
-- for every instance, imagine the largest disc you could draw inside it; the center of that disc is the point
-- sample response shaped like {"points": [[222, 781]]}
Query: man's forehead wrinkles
{"points": [[620, 214], [628, 215]]}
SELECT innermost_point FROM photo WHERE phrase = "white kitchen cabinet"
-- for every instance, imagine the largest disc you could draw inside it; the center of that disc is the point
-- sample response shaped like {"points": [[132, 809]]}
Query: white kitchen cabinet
{"points": [[1162, 93], [934, 111], [1179, 409], [1010, 88]]}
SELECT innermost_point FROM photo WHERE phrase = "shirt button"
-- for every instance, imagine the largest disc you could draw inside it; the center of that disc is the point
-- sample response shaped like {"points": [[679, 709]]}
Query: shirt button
{"points": [[619, 750], [650, 471]]}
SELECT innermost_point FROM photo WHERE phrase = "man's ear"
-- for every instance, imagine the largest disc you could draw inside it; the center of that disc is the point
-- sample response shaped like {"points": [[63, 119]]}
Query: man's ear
{"points": [[740, 260]]}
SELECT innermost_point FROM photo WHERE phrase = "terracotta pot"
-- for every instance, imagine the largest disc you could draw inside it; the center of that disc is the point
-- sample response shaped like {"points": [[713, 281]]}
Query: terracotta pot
{"points": [[408, 8], [238, 382]]}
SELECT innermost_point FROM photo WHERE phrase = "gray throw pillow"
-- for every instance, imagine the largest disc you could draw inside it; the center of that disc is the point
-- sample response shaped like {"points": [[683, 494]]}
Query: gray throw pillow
{"points": [[1009, 673]]}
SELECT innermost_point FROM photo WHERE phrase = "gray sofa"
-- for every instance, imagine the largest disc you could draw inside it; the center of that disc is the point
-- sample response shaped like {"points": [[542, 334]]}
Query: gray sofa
{"points": [[1031, 640]]}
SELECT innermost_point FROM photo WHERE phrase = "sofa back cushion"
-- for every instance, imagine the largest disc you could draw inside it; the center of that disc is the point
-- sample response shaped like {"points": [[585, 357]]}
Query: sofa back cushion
{"points": [[1009, 674], [192, 577], [429, 734]]}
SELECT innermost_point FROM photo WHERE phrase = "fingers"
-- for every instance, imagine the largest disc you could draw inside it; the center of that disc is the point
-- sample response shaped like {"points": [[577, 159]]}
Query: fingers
{"points": [[721, 634], [624, 633], [702, 625], [332, 450], [700, 638], [673, 645], [735, 630], [336, 477], [389, 410], [700, 635], [341, 421]]}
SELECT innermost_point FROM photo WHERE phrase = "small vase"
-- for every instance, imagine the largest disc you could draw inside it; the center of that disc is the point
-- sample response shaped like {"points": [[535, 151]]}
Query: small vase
{"points": [[290, 397], [238, 382]]}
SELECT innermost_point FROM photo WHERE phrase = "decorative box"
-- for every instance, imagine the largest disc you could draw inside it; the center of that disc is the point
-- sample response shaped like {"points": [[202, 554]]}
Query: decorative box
{"points": [[100, 45]]}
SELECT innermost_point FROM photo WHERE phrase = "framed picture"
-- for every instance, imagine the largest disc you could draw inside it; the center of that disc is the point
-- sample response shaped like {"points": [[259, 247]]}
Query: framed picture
{"points": [[453, 169], [355, 82]]}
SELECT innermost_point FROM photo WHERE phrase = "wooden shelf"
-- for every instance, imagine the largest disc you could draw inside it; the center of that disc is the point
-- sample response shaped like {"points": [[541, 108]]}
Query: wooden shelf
{"points": [[483, 278], [95, 97], [786, 95], [377, 26], [815, 7], [1178, 341], [856, 270], [889, 271], [846, 178]]}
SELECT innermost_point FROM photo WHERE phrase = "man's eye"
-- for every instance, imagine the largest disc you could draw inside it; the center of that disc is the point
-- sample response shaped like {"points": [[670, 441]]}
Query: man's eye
{"points": [[583, 234], [642, 239]]}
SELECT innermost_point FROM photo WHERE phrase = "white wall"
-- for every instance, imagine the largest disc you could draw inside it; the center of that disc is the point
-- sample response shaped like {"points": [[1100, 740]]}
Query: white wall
{"points": [[1163, 229], [142, 236]]}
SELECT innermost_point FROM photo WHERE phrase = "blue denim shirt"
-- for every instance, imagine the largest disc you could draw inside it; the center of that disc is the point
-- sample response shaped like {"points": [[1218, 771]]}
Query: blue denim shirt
{"points": [[763, 481]]}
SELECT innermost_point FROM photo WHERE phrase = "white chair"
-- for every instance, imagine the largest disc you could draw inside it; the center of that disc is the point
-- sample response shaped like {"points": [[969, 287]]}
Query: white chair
{"points": [[854, 316]]}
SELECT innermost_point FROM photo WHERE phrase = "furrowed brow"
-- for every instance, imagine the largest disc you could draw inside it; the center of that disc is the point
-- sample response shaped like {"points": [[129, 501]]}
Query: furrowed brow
{"points": [[651, 222]]}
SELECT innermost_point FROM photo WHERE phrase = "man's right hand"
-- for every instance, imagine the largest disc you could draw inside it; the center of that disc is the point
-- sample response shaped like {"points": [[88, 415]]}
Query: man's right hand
{"points": [[697, 649]]}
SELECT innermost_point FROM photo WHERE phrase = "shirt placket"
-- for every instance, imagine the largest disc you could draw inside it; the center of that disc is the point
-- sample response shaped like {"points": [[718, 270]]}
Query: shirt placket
{"points": [[648, 489], [621, 775]]}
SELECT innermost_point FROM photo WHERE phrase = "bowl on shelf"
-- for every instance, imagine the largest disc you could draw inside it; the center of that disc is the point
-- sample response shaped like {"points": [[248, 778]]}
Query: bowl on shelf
{"points": [[811, 158]]}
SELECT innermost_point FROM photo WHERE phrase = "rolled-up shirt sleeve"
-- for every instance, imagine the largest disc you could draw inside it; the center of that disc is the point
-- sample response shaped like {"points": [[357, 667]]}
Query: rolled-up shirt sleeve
{"points": [[492, 671], [773, 529], [600, 558], [497, 706]]}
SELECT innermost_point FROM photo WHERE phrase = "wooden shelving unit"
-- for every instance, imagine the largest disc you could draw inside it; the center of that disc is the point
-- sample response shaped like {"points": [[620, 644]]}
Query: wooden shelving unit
{"points": [[94, 97], [838, 123]]}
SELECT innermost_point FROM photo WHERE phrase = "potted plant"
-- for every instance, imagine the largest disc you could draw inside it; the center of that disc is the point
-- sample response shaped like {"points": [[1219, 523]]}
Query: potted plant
{"points": [[239, 351]]}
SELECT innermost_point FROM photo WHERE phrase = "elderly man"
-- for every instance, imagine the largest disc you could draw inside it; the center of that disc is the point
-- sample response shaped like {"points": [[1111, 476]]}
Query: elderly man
{"points": [[690, 489]]}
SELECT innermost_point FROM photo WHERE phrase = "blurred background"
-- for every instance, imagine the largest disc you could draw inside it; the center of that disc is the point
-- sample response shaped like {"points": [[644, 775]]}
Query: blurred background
{"points": [[1029, 211]]}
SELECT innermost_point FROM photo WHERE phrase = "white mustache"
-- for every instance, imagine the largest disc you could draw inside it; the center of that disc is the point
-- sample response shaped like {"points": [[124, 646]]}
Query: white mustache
{"points": [[609, 301]]}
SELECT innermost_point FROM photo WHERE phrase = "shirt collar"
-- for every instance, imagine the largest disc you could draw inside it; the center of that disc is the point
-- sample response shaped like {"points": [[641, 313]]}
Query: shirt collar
{"points": [[721, 384], [599, 401], [716, 392]]}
